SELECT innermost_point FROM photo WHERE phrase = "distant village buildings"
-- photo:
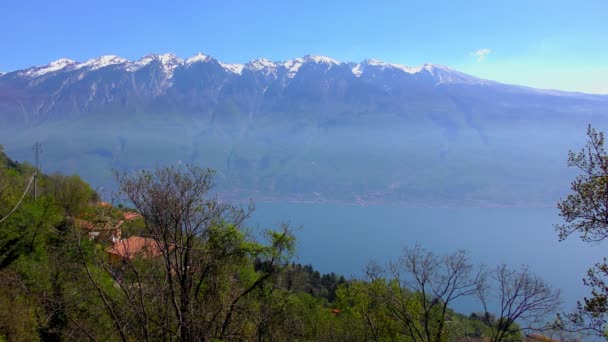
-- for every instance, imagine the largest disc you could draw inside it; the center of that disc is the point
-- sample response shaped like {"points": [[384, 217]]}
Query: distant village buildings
{"points": [[111, 230], [135, 246]]}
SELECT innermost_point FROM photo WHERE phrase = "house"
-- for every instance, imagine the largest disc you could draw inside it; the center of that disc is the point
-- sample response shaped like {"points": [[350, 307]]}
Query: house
{"points": [[84, 224], [135, 246], [528, 338], [539, 338], [100, 230], [88, 227], [129, 215]]}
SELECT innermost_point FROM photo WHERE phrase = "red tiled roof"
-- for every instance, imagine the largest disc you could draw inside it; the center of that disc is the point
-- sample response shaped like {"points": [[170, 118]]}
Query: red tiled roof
{"points": [[135, 246], [84, 224], [539, 337], [129, 215]]}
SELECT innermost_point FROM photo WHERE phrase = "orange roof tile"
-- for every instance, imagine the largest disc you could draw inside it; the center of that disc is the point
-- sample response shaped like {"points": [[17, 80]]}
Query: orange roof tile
{"points": [[539, 337], [129, 215], [135, 246], [84, 224]]}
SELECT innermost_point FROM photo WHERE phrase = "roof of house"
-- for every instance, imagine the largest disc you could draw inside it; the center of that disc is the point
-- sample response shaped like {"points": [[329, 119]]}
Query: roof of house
{"points": [[528, 338], [129, 215], [539, 337], [135, 246], [473, 339], [84, 224]]}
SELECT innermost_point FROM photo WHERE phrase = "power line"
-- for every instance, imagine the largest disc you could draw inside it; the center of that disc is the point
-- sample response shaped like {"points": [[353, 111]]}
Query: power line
{"points": [[37, 150], [22, 197]]}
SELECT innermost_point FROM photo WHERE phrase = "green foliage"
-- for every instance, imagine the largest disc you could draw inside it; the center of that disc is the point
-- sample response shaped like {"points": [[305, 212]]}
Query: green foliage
{"points": [[585, 212], [24, 231], [211, 279], [70, 193]]}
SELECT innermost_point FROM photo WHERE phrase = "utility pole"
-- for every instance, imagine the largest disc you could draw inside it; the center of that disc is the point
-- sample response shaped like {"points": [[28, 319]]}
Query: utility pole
{"points": [[37, 150]]}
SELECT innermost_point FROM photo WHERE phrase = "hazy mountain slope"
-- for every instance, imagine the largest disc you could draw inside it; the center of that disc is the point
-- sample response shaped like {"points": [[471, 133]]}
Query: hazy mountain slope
{"points": [[311, 128]]}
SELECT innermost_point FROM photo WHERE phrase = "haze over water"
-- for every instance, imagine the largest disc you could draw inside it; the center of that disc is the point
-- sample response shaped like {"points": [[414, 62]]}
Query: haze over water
{"points": [[343, 238]]}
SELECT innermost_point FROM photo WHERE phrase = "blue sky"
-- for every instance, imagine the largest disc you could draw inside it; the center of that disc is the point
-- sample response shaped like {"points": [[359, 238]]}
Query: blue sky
{"points": [[547, 44]]}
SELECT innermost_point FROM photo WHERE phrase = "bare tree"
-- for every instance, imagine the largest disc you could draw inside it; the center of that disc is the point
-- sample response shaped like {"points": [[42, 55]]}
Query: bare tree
{"points": [[422, 286], [192, 277], [523, 301]]}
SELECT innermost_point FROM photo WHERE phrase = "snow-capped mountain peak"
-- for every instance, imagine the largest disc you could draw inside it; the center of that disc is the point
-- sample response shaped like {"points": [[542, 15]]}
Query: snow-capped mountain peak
{"points": [[321, 60], [443, 74], [261, 64], [169, 58], [199, 57], [292, 66], [383, 65], [233, 68], [142, 62], [51, 67], [102, 62], [168, 63], [432, 68]]}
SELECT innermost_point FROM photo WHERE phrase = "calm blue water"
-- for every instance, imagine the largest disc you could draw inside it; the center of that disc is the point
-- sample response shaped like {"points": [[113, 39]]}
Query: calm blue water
{"points": [[343, 238]]}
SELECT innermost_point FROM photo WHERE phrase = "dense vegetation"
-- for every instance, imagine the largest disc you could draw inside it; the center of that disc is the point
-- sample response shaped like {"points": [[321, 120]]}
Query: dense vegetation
{"points": [[202, 275]]}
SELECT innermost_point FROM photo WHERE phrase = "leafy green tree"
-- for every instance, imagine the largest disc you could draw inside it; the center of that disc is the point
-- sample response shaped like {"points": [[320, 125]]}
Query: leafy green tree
{"points": [[24, 225], [364, 315], [585, 212], [42, 289], [201, 283], [70, 193]]}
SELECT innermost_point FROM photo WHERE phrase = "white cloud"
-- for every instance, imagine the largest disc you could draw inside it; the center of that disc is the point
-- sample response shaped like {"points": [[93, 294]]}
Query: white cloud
{"points": [[481, 54]]}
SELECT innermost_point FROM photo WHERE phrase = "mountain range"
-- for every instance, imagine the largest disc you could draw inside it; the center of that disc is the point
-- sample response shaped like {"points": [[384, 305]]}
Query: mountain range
{"points": [[311, 128], [202, 85]]}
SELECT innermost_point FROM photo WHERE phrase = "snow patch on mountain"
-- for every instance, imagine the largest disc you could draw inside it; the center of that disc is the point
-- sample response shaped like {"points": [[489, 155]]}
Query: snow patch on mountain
{"points": [[168, 61], [321, 60], [435, 68], [51, 67], [102, 62], [292, 66], [383, 65], [261, 64], [268, 68], [443, 75], [199, 57], [233, 68], [440, 73], [142, 62], [357, 70]]}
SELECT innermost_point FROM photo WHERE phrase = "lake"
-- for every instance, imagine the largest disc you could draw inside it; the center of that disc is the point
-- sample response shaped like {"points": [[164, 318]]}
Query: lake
{"points": [[342, 238]]}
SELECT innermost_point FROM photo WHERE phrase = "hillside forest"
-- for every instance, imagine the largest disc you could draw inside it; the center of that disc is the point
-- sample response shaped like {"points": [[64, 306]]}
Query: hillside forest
{"points": [[166, 260]]}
